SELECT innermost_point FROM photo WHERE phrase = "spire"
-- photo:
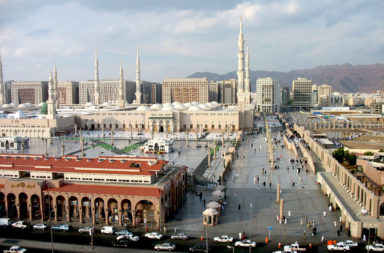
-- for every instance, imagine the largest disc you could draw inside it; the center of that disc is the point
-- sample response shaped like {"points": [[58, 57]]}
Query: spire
{"points": [[138, 82], [247, 77], [240, 56], [2, 90], [97, 80], [55, 86], [51, 103], [50, 88], [121, 86], [241, 29]]}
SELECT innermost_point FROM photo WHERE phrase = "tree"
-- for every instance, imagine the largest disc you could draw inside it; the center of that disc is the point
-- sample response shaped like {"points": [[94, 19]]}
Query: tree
{"points": [[368, 153], [44, 109], [351, 159], [338, 154]]}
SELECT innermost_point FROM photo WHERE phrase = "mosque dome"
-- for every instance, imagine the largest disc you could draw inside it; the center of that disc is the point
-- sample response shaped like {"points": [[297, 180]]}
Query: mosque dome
{"points": [[176, 103], [89, 104], [156, 107], [107, 104], [180, 107], [194, 108], [195, 103], [204, 107], [143, 108], [187, 104]]}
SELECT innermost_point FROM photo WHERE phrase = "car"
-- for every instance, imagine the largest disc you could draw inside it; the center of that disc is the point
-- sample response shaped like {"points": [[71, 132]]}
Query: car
{"points": [[40, 226], [351, 243], [123, 232], [19, 224], [62, 227], [340, 246], [153, 235], [86, 230], [179, 236], [223, 238], [245, 243], [376, 247], [107, 230], [165, 246], [124, 242], [200, 247], [131, 237], [15, 249]]}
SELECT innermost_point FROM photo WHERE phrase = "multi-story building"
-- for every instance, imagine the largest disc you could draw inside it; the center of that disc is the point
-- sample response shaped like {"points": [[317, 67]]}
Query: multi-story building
{"points": [[213, 91], [185, 90], [285, 96], [302, 94], [34, 92], [108, 91], [323, 90], [109, 190], [332, 100], [156, 97], [228, 91], [68, 92], [315, 100], [268, 95]]}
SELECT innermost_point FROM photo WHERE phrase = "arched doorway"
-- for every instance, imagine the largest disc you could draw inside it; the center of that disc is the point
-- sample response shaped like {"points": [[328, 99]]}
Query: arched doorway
{"points": [[161, 129], [60, 206], [73, 208], [35, 204], [145, 212], [382, 209], [48, 207], [126, 212], [113, 212], [12, 210], [156, 147], [23, 201], [86, 211], [99, 209], [3, 212]]}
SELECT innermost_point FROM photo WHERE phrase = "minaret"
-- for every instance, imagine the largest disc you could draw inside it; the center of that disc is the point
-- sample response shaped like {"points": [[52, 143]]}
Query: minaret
{"points": [[247, 85], [240, 56], [97, 80], [138, 82], [51, 103], [121, 87], [2, 89], [56, 86]]}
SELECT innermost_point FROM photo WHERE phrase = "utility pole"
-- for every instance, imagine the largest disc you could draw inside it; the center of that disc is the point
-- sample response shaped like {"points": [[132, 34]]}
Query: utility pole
{"points": [[250, 227], [206, 236]]}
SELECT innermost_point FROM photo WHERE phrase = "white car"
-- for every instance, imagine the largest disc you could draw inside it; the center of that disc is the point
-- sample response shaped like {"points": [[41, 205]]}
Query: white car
{"points": [[40, 226], [376, 247], [179, 236], [245, 243], [19, 224], [223, 238], [351, 243], [165, 246], [154, 235], [86, 230], [16, 249], [340, 246], [131, 237]]}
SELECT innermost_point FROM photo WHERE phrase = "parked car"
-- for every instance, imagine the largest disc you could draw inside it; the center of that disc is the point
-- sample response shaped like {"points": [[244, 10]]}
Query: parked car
{"points": [[40, 226], [245, 243], [200, 247], [5, 222], [124, 242], [15, 249], [223, 238], [153, 235], [351, 243], [123, 232], [107, 230], [165, 246], [86, 230], [179, 236], [340, 246], [131, 237], [19, 224], [376, 247], [62, 227]]}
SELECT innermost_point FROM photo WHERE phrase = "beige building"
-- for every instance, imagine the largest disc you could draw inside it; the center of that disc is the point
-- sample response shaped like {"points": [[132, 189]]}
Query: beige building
{"points": [[185, 90], [323, 90], [228, 91], [33, 92], [302, 94], [108, 91], [68, 92]]}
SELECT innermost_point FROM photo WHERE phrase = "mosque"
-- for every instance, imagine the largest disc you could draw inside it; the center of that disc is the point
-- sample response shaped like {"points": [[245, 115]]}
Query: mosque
{"points": [[168, 117]]}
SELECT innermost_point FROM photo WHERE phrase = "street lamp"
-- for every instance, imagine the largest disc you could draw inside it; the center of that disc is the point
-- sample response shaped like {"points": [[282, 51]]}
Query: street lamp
{"points": [[250, 227]]}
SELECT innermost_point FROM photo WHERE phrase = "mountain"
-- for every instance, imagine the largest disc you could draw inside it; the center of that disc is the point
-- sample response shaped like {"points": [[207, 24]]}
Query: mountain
{"points": [[343, 78]]}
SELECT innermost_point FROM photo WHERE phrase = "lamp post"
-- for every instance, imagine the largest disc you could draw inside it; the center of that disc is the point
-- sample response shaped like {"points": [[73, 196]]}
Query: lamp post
{"points": [[206, 237], [250, 227], [92, 229], [306, 218]]}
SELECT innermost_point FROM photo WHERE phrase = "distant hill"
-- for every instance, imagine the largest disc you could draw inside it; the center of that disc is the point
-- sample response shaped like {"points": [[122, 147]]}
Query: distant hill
{"points": [[343, 78]]}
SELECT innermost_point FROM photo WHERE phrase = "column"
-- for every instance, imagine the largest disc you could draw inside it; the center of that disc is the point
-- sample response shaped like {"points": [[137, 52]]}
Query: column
{"points": [[278, 194], [41, 208], [209, 157], [55, 208], [81, 214], [106, 217], [120, 217], [6, 205], [67, 212], [17, 207], [134, 218], [281, 208], [29, 210]]}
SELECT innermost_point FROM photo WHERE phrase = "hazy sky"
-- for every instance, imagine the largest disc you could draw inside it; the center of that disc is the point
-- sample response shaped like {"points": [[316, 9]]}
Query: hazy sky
{"points": [[177, 38]]}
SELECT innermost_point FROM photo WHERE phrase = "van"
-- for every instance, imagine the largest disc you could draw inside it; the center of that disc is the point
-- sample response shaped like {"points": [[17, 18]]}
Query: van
{"points": [[61, 227], [5, 222], [107, 230]]}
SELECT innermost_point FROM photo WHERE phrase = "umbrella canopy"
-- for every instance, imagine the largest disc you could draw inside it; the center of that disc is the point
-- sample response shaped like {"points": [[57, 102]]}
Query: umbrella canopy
{"points": [[213, 205], [221, 188], [210, 212], [217, 192]]}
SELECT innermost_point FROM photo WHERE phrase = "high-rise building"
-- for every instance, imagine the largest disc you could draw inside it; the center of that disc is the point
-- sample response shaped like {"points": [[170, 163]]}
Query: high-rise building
{"points": [[213, 91], [284, 96], [185, 90], [302, 94], [228, 91], [2, 86], [108, 91], [323, 90], [314, 95], [268, 95], [156, 97], [34, 92], [68, 92]]}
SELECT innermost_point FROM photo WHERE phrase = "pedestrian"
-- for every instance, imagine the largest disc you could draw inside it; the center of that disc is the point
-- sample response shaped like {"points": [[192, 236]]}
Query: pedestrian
{"points": [[324, 213], [204, 201], [338, 232], [270, 184], [341, 228], [264, 183], [335, 223], [289, 213], [239, 206], [322, 239]]}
